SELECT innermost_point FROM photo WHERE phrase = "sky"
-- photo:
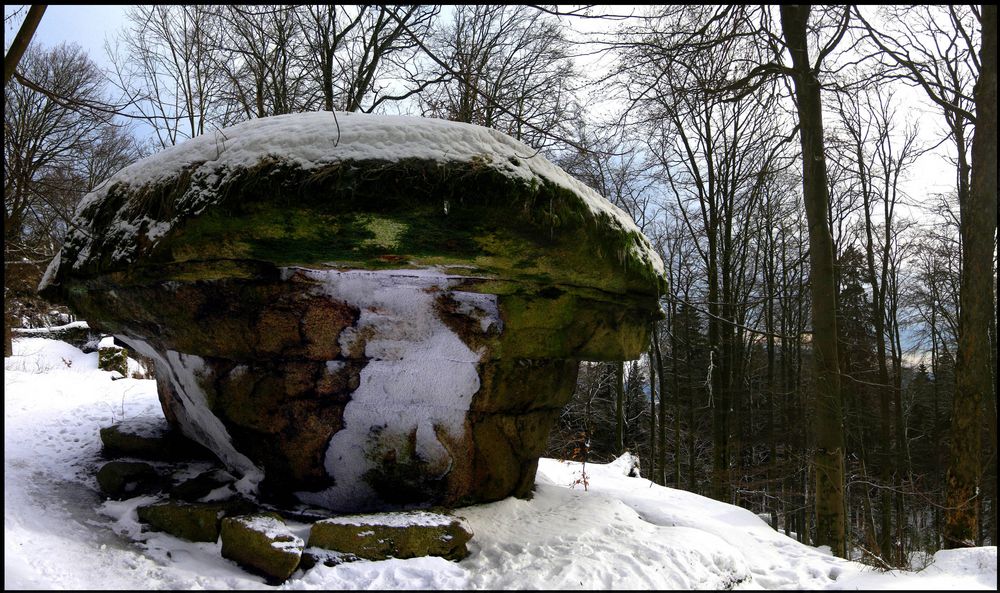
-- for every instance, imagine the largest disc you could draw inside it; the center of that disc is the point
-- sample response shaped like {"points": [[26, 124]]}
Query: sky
{"points": [[91, 25], [87, 25], [620, 532]]}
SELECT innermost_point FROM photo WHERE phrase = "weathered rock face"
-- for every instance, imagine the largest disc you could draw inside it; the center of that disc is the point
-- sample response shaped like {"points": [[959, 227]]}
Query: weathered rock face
{"points": [[391, 318]]}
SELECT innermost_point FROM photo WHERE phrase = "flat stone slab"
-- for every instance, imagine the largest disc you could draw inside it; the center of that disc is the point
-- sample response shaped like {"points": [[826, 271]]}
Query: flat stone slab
{"points": [[379, 536], [262, 544], [149, 437], [193, 522], [121, 480]]}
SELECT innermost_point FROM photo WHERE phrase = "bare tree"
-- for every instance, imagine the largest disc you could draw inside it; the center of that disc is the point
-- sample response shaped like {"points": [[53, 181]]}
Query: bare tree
{"points": [[55, 150], [715, 156], [259, 51], [380, 48], [40, 135], [876, 156], [325, 29], [940, 62], [506, 67], [619, 169], [164, 60], [21, 41]]}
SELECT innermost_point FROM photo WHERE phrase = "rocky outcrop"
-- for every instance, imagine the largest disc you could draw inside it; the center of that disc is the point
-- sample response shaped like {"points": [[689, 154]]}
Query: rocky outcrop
{"points": [[384, 313], [77, 333], [186, 501], [111, 357]]}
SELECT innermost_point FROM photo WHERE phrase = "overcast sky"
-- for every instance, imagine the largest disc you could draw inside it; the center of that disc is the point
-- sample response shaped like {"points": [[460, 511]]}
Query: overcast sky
{"points": [[90, 25]]}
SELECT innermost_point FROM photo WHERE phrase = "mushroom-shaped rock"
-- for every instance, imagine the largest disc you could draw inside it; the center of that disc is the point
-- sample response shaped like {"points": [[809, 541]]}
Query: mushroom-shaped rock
{"points": [[366, 311]]}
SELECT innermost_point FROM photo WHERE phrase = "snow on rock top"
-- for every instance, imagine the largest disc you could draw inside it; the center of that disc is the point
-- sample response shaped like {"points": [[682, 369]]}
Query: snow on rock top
{"points": [[41, 331], [397, 519], [311, 140], [273, 529]]}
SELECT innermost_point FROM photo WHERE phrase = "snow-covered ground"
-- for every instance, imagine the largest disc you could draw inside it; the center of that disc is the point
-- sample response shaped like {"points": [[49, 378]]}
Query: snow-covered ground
{"points": [[622, 533]]}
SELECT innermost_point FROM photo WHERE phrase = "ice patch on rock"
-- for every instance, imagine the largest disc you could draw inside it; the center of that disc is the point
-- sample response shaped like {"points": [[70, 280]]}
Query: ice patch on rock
{"points": [[196, 420], [420, 376]]}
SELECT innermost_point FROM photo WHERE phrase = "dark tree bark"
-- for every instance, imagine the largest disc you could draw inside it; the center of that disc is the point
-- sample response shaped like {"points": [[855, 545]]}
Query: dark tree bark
{"points": [[653, 465], [619, 407], [21, 40], [662, 458], [973, 370], [829, 456]]}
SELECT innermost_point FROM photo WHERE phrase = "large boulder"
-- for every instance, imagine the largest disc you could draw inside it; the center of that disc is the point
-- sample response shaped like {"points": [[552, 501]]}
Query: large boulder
{"points": [[366, 312]]}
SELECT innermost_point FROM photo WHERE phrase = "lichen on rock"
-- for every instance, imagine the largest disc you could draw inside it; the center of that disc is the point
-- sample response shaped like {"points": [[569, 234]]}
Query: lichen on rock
{"points": [[113, 358]]}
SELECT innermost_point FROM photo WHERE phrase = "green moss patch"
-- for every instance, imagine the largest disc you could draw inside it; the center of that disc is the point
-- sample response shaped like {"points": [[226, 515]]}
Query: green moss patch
{"points": [[113, 359], [377, 214], [262, 544], [127, 479], [193, 522], [366, 537]]}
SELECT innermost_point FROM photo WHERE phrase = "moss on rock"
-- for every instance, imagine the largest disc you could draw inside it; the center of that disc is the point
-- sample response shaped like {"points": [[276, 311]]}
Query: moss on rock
{"points": [[279, 213], [127, 479], [128, 439], [113, 358], [193, 522], [393, 535], [226, 271], [262, 544]]}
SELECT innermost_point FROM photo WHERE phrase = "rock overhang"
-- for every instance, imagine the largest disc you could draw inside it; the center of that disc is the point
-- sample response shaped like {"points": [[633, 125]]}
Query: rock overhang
{"points": [[358, 190]]}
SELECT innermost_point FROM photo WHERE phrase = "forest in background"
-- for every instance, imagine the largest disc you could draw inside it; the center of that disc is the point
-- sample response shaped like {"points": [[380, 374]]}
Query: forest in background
{"points": [[746, 142]]}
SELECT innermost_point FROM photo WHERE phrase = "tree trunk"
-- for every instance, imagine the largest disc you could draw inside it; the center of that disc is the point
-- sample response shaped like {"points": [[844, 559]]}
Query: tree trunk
{"points": [[8, 334], [652, 412], [662, 459], [22, 40], [973, 374], [620, 406], [878, 285], [829, 456], [772, 449]]}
